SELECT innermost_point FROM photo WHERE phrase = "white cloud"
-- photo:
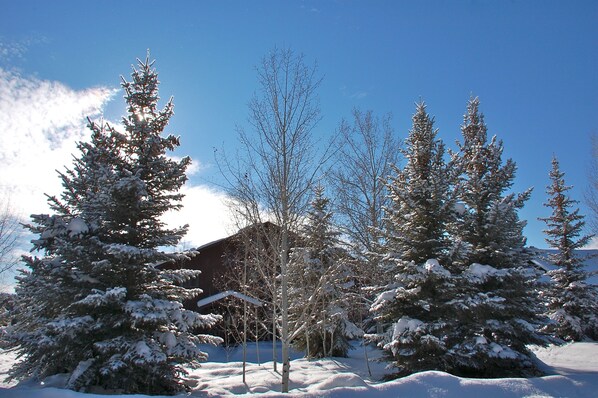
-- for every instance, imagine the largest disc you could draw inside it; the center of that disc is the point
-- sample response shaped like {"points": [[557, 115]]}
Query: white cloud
{"points": [[11, 50], [206, 211], [193, 169], [359, 95], [40, 124], [592, 244], [355, 94]]}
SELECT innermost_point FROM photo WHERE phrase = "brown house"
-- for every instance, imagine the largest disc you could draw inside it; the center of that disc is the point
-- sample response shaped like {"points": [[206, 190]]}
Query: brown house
{"points": [[219, 261], [210, 261], [233, 271]]}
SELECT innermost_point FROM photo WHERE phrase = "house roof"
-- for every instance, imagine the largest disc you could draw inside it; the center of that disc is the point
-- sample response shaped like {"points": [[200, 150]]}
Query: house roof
{"points": [[265, 225], [222, 295]]}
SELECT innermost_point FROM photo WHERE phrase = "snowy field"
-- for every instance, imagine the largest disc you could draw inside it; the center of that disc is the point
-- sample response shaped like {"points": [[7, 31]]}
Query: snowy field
{"points": [[572, 372]]}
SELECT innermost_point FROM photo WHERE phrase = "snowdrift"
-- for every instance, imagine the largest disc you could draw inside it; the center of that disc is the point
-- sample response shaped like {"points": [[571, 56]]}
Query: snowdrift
{"points": [[572, 372]]}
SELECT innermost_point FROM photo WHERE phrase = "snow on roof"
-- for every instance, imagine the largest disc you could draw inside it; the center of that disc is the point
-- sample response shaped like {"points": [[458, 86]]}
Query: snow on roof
{"points": [[211, 243], [589, 256], [221, 295], [263, 225]]}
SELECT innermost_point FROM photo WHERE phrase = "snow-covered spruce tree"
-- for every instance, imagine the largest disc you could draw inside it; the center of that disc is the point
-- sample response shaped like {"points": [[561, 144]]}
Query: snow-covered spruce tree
{"points": [[98, 304], [415, 307], [319, 283], [489, 226], [498, 303], [570, 301], [421, 203]]}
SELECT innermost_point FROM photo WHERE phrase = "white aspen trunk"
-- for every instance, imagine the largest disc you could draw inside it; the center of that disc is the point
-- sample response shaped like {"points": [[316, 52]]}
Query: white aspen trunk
{"points": [[365, 356], [244, 338], [363, 342], [257, 338], [324, 342], [286, 363], [281, 166], [244, 317], [274, 353], [284, 256]]}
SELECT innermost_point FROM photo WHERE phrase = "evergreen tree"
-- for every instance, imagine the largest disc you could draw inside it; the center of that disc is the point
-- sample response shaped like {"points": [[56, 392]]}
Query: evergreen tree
{"points": [[418, 318], [497, 303], [319, 279], [421, 203], [489, 227], [99, 303], [416, 306], [570, 301]]}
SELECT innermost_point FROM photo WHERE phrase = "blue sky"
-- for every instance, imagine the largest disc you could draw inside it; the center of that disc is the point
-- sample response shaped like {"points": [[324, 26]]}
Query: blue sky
{"points": [[534, 65]]}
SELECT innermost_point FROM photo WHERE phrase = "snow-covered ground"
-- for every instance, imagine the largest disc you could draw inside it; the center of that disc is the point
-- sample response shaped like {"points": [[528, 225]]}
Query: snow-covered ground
{"points": [[572, 372]]}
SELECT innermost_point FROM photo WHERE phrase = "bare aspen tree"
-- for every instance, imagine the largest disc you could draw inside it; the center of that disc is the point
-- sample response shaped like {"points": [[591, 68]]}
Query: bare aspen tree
{"points": [[10, 230], [367, 153], [363, 162], [254, 262], [276, 165], [591, 194]]}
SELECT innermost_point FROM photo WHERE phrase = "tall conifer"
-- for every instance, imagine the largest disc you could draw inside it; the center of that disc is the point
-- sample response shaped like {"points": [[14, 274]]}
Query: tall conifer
{"points": [[498, 304], [570, 300], [489, 226], [99, 303], [415, 308], [319, 279], [421, 204]]}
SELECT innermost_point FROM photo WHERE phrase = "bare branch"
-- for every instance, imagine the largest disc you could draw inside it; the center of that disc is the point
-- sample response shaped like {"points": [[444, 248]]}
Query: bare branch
{"points": [[271, 177], [591, 194], [368, 150], [10, 230]]}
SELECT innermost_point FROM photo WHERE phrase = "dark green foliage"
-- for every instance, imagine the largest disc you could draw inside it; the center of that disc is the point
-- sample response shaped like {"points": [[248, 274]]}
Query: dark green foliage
{"points": [[489, 227], [497, 305], [462, 298], [320, 279], [421, 328], [571, 302], [97, 303], [420, 196], [415, 307]]}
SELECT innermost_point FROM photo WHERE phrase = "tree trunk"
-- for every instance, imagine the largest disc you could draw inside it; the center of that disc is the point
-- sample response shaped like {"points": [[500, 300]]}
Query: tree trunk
{"points": [[274, 353], [286, 363], [257, 338], [244, 317], [331, 344]]}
